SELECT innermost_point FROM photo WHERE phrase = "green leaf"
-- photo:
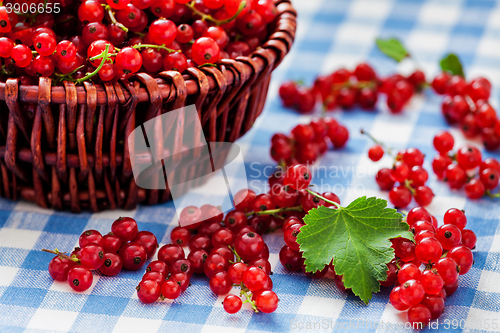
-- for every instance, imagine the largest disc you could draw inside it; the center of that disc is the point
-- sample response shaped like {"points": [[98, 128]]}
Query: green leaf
{"points": [[452, 64], [393, 48], [357, 238]]}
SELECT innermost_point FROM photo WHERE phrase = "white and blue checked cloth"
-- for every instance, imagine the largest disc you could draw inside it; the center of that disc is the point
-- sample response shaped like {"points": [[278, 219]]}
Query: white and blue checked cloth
{"points": [[331, 34]]}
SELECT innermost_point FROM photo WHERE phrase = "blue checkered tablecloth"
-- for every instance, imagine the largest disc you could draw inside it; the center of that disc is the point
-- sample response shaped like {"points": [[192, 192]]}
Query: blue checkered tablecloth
{"points": [[331, 34]]}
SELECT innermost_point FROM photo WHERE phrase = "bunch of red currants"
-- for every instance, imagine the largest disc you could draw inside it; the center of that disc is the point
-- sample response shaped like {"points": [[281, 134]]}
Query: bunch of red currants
{"points": [[344, 89], [308, 141], [427, 271], [407, 171], [124, 247], [466, 104], [107, 40], [465, 167]]}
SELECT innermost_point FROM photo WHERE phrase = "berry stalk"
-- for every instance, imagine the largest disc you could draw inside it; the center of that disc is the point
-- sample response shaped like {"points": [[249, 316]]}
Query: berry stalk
{"points": [[62, 255], [206, 17]]}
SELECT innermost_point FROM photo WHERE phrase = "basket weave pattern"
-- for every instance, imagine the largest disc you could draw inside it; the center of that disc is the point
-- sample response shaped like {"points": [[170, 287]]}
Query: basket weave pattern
{"points": [[72, 152]]}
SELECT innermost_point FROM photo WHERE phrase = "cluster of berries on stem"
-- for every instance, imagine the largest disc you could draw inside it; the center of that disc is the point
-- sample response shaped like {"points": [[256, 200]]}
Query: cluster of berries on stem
{"points": [[465, 168], [345, 89], [406, 178], [426, 272], [466, 104], [124, 247], [308, 142]]}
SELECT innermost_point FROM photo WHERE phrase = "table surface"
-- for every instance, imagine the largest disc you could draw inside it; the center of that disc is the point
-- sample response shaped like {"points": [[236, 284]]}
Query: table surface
{"points": [[331, 34]]}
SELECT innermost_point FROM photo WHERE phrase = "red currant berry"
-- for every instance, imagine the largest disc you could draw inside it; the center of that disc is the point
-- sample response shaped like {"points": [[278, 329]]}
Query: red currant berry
{"points": [[449, 236], [408, 272], [297, 177], [288, 93], [200, 242], [443, 142], [440, 82], [435, 304], [170, 289], [6, 45], [396, 300], [45, 44], [190, 217], [375, 153], [469, 238], [59, 268], [90, 11], [266, 301], [440, 165], [148, 241], [92, 256], [205, 50], [418, 176], [412, 292], [404, 249], [400, 171], [400, 196], [148, 291], [133, 256], [475, 189], [418, 214], [419, 314], [111, 243], [80, 278], [431, 281], [249, 245], [125, 228], [428, 250], [112, 264], [90, 236], [451, 288], [215, 263], [175, 61], [232, 304], [180, 236], [235, 220], [447, 269], [468, 157], [392, 275], [463, 257], [455, 216], [220, 284], [384, 179], [489, 177], [486, 116], [423, 195], [455, 176]]}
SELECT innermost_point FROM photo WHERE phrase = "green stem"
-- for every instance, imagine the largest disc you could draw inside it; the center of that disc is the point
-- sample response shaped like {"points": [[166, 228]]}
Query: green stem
{"points": [[62, 255], [104, 59], [409, 187], [112, 18], [205, 17], [277, 211], [492, 195], [324, 199], [385, 147], [248, 298], [238, 258], [152, 46]]}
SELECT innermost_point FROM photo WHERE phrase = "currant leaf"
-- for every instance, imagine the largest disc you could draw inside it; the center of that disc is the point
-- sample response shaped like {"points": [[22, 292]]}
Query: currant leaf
{"points": [[452, 64], [392, 48], [357, 238]]}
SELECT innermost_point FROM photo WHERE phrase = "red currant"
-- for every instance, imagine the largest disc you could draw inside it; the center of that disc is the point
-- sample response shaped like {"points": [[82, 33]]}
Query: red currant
{"points": [[80, 278]]}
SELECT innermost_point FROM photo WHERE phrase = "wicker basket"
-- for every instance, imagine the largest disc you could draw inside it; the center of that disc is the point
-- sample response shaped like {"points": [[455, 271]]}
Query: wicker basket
{"points": [[71, 153]]}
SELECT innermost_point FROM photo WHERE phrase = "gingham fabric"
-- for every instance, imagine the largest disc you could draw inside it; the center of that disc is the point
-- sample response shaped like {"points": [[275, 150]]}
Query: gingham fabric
{"points": [[331, 34]]}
